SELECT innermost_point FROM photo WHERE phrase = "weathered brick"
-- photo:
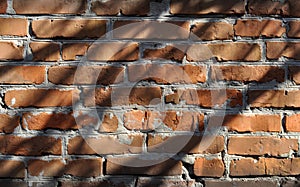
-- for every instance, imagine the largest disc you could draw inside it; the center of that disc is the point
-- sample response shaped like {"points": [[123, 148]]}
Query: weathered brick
{"points": [[43, 121], [270, 7], [40, 98], [168, 53], [213, 30], [167, 73], [110, 182], [290, 183], [45, 51], [282, 167], [49, 6], [12, 169], [110, 7], [71, 50], [22, 74], [247, 167], [248, 183], [294, 73], [13, 26], [168, 167], [10, 183], [11, 51], [146, 30], [113, 51], [256, 28], [261, 146], [123, 96], [294, 27], [34, 146], [204, 7], [273, 98], [142, 182], [8, 123], [252, 123], [118, 144], [276, 50], [248, 73], [56, 168], [292, 123], [209, 168], [161, 143], [95, 75], [71, 28], [210, 98], [3, 6]]}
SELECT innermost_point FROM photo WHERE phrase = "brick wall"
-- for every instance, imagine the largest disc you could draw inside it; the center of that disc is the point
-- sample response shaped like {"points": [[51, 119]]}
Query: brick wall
{"points": [[189, 93]]}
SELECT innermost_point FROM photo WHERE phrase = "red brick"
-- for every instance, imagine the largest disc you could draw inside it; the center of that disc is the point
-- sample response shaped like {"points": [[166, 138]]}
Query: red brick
{"points": [[69, 75], [110, 7], [247, 167], [276, 50], [137, 120], [71, 28], [40, 98], [256, 28], [3, 6], [167, 53], [213, 31], [294, 27], [49, 6], [294, 72], [282, 167], [273, 98], [118, 145], [248, 73], [34, 146], [261, 146], [45, 51], [13, 26], [11, 51], [8, 123], [10, 183], [22, 74], [270, 7], [169, 167], [56, 168], [169, 30], [204, 7], [167, 73], [122, 96], [43, 121], [292, 123], [209, 168], [252, 123], [12, 169], [109, 123], [71, 50], [161, 143], [210, 98], [113, 51], [110, 182]]}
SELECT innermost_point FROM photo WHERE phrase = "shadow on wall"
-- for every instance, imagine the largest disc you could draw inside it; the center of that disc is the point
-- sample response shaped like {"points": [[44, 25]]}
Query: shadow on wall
{"points": [[38, 143]]}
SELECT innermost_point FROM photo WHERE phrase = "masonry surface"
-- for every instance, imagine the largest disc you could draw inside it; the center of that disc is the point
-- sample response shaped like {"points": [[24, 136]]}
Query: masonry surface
{"points": [[232, 72]]}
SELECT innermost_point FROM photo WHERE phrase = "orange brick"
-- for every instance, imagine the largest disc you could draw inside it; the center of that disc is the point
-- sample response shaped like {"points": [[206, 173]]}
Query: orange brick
{"points": [[34, 146], [252, 123], [13, 26], [40, 98], [248, 73], [110, 7], [49, 7], [292, 123], [276, 50], [11, 51], [45, 51], [71, 28], [256, 28], [261, 146], [213, 31], [3, 6], [43, 121], [247, 167], [294, 29], [12, 169], [95, 75], [199, 7], [209, 168], [71, 50], [8, 123], [22, 74], [294, 72]]}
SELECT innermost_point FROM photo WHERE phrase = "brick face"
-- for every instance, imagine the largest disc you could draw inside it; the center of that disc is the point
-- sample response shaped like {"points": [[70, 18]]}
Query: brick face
{"points": [[213, 31], [208, 168]]}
